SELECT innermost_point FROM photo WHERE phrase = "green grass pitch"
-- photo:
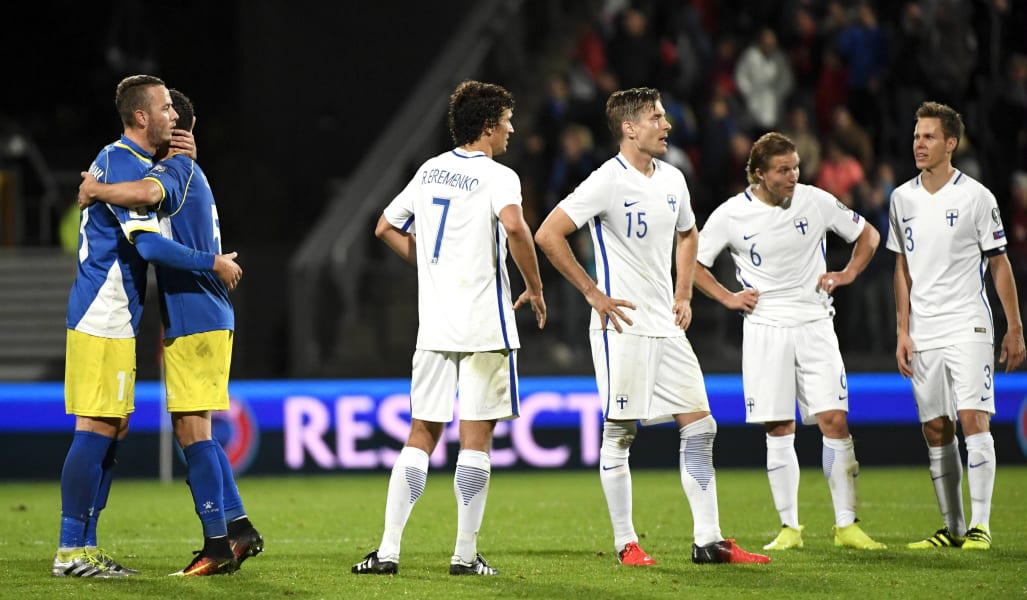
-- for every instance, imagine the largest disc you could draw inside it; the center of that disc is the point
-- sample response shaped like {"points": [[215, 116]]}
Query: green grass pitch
{"points": [[547, 532]]}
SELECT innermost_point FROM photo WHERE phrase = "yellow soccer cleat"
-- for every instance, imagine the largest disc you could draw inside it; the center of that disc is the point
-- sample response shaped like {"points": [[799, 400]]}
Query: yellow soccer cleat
{"points": [[790, 538], [851, 536], [942, 538], [978, 538]]}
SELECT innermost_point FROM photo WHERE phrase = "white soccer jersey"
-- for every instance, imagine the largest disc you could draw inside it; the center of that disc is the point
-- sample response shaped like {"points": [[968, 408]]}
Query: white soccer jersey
{"points": [[463, 287], [633, 219], [780, 251], [944, 237]]}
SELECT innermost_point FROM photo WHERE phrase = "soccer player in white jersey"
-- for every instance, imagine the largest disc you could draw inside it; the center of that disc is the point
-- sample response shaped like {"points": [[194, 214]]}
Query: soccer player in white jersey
{"points": [[104, 309], [637, 207], [467, 208], [946, 231], [775, 231]]}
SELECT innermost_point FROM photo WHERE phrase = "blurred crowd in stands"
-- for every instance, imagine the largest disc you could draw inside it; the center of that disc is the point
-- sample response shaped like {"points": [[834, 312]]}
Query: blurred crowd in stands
{"points": [[843, 79]]}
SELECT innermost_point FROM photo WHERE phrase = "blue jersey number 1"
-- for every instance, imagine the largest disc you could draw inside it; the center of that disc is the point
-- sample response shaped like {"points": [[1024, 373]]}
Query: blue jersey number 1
{"points": [[444, 203]]}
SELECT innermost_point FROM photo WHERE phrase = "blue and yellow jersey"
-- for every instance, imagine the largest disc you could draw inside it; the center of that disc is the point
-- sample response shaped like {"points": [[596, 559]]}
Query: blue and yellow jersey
{"points": [[110, 287], [191, 301]]}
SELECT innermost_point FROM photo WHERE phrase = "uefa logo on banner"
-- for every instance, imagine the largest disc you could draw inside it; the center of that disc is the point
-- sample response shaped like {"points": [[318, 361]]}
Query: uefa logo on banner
{"points": [[237, 431]]}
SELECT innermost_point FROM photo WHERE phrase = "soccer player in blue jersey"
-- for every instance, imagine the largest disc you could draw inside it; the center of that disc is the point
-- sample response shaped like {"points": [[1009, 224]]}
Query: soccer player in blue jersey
{"points": [[199, 324], [104, 309], [467, 208]]}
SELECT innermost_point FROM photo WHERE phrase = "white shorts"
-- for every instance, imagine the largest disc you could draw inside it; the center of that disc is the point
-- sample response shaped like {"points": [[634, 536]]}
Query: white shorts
{"points": [[954, 378], [486, 383], [646, 378], [782, 365]]}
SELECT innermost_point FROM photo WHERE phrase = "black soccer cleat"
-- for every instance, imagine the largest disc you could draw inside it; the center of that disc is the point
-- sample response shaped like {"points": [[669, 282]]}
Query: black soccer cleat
{"points": [[725, 551], [372, 566], [478, 567], [247, 543]]}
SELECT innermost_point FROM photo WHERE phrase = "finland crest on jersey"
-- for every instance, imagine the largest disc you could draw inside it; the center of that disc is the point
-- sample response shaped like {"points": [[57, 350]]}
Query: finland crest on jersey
{"points": [[633, 220], [109, 290], [191, 301], [780, 250], [463, 287], [944, 237]]}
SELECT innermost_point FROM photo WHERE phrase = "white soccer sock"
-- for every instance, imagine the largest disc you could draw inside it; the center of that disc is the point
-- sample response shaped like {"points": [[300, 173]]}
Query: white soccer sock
{"points": [[841, 471], [471, 485], [699, 478], [980, 455], [615, 475], [783, 473], [947, 476], [406, 484]]}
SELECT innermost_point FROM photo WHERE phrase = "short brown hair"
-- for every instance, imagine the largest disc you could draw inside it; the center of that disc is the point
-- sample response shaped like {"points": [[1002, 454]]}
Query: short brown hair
{"points": [[951, 121], [475, 107], [133, 94], [768, 146], [628, 105]]}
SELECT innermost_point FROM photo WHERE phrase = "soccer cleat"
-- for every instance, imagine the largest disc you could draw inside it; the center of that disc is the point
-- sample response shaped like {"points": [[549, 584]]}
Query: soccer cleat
{"points": [[80, 563], [246, 544], [204, 565], [977, 538], [725, 551], [112, 565], [942, 538], [478, 567], [633, 555], [789, 538], [372, 566], [851, 536]]}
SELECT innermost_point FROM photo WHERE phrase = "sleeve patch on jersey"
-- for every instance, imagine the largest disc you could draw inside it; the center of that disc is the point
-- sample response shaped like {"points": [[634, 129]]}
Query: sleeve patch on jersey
{"points": [[840, 205], [998, 235], [855, 217], [996, 217]]}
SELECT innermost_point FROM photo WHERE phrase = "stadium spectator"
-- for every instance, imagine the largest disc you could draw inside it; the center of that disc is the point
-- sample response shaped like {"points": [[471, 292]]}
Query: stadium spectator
{"points": [[199, 326], [463, 345], [775, 231], [946, 230], [765, 79], [852, 137], [104, 310], [644, 365], [839, 174], [863, 45], [807, 143]]}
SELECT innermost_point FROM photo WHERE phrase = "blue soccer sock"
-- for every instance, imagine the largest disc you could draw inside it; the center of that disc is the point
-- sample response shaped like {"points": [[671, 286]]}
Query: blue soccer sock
{"points": [[103, 491], [206, 484], [80, 480], [232, 501]]}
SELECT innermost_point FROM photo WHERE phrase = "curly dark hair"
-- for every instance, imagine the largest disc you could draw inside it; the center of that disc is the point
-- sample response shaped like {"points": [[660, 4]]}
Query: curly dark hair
{"points": [[133, 94], [184, 107], [951, 121], [475, 107], [628, 105], [768, 146]]}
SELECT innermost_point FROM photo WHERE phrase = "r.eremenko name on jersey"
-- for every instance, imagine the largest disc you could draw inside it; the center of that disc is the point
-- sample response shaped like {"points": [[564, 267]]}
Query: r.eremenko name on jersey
{"points": [[463, 287]]}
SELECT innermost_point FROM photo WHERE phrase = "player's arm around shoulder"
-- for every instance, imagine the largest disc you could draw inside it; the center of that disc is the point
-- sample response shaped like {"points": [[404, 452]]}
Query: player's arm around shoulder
{"points": [[522, 249], [128, 194]]}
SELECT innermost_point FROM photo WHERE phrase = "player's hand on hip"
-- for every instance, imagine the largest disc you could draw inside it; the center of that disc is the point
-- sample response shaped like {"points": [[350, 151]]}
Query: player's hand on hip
{"points": [[832, 280], [610, 309], [227, 270], [1013, 350], [904, 355], [682, 314], [744, 300]]}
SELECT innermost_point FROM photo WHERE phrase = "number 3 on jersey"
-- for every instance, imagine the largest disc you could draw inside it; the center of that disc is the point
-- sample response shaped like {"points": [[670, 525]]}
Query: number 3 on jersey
{"points": [[444, 203]]}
